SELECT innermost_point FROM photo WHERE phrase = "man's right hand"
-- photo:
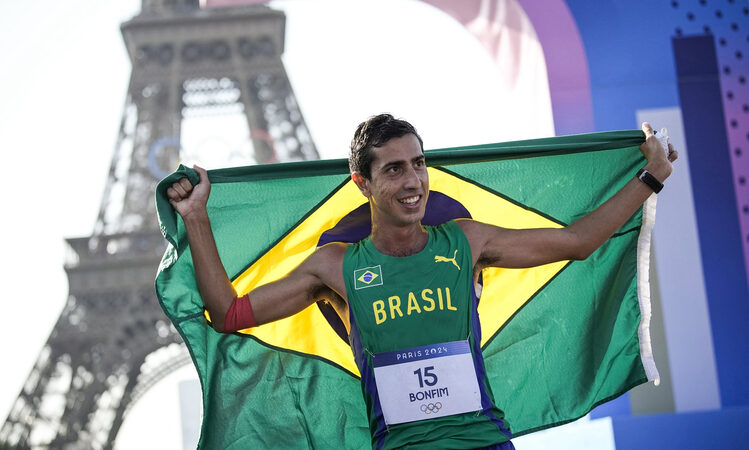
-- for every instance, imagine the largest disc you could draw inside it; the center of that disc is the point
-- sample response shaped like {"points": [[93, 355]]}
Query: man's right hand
{"points": [[187, 199]]}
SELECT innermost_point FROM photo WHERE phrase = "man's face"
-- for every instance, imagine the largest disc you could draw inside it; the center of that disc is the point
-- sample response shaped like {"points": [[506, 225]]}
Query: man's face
{"points": [[399, 183]]}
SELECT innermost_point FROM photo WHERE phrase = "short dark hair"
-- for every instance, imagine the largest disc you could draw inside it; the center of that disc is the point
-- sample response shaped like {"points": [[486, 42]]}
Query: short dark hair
{"points": [[375, 132]]}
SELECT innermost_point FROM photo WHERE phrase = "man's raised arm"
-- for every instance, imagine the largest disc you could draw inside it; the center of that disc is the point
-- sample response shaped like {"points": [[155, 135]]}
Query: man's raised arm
{"points": [[501, 247], [266, 303], [190, 202]]}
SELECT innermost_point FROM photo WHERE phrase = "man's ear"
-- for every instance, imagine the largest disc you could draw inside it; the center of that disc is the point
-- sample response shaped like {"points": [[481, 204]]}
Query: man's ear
{"points": [[362, 183]]}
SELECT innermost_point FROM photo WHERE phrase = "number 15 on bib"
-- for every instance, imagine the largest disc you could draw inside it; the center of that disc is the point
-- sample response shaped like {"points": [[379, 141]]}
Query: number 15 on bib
{"points": [[426, 382]]}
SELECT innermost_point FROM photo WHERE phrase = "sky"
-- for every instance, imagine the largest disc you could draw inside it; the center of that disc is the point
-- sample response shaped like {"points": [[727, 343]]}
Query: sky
{"points": [[63, 84], [63, 87]]}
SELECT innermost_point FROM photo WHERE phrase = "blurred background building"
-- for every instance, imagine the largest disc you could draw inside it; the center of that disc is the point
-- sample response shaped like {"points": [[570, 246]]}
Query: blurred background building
{"points": [[209, 83]]}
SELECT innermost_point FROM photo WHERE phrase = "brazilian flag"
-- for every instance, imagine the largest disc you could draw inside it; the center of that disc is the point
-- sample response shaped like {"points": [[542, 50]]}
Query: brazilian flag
{"points": [[557, 339]]}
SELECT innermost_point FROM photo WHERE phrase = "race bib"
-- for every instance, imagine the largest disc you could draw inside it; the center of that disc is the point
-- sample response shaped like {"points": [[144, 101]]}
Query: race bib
{"points": [[426, 382]]}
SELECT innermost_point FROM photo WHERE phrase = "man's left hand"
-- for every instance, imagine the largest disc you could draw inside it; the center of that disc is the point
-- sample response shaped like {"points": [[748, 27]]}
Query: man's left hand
{"points": [[659, 160]]}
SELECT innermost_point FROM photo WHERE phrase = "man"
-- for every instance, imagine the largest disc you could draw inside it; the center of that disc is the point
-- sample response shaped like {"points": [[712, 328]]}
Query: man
{"points": [[405, 293]]}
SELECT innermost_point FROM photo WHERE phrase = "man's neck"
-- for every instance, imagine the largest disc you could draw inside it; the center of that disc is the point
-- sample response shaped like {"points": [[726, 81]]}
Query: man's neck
{"points": [[399, 241]]}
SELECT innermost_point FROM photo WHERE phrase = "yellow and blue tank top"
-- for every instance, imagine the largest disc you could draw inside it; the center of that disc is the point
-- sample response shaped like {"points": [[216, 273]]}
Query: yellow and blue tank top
{"points": [[402, 308]]}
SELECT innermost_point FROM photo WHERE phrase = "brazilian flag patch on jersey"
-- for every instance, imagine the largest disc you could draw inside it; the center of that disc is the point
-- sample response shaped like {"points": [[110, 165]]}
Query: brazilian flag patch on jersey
{"points": [[367, 277]]}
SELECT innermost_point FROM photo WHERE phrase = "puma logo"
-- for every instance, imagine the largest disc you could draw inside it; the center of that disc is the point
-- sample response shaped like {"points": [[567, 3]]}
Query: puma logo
{"points": [[446, 259]]}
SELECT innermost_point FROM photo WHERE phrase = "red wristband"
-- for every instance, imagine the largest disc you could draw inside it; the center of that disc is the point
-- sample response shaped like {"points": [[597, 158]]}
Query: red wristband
{"points": [[240, 315]]}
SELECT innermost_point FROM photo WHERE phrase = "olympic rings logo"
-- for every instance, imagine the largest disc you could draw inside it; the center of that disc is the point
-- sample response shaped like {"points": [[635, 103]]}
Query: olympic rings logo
{"points": [[431, 408]]}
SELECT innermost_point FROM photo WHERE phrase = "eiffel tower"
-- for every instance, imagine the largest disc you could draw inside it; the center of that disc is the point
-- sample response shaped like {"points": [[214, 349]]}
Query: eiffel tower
{"points": [[112, 342]]}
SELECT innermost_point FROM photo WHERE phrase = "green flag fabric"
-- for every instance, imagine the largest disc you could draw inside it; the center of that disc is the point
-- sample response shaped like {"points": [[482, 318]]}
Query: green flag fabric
{"points": [[557, 340]]}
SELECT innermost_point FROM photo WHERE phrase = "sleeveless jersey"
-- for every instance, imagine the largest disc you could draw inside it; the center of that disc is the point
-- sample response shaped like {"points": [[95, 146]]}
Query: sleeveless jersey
{"points": [[406, 306]]}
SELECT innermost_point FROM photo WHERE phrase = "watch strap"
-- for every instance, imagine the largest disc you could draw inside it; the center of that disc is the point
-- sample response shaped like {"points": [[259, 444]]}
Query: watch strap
{"points": [[648, 178]]}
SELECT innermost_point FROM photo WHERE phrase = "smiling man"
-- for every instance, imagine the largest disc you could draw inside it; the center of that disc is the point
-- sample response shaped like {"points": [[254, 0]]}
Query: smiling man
{"points": [[406, 292]]}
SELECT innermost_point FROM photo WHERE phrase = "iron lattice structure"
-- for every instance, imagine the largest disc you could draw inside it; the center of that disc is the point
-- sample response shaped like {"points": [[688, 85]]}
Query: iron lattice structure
{"points": [[112, 342]]}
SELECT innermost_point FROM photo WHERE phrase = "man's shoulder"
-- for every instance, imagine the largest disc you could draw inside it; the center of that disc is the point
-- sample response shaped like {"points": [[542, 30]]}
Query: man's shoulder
{"points": [[330, 253], [473, 230], [466, 225]]}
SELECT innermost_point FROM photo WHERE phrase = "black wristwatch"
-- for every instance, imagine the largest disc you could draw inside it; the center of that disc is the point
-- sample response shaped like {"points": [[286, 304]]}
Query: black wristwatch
{"points": [[648, 178]]}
